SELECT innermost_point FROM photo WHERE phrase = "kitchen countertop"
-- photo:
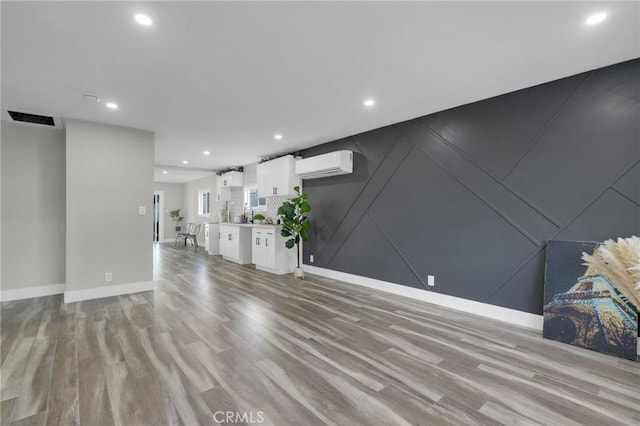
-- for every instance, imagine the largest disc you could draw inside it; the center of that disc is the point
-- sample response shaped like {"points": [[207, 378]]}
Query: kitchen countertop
{"points": [[251, 225]]}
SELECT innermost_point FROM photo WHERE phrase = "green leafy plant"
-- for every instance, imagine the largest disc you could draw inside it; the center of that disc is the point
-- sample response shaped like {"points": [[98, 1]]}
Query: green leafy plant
{"points": [[259, 217], [273, 157], [175, 216], [230, 169], [294, 220]]}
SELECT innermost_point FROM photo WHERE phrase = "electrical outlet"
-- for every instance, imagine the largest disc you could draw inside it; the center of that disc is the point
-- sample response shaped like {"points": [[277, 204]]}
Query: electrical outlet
{"points": [[311, 258], [142, 210], [108, 277], [431, 280]]}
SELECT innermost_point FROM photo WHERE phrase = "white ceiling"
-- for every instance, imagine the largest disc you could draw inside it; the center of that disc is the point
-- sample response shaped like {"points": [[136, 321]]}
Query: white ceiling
{"points": [[225, 77]]}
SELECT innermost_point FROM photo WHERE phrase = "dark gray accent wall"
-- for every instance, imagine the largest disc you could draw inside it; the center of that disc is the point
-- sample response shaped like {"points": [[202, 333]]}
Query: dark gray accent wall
{"points": [[472, 194]]}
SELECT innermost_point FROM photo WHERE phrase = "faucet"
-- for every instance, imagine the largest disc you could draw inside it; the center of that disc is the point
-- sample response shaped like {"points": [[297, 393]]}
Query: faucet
{"points": [[250, 208]]}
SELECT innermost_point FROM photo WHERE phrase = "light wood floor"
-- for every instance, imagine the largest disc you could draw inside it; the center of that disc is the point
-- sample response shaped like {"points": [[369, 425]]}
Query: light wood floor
{"points": [[216, 337]]}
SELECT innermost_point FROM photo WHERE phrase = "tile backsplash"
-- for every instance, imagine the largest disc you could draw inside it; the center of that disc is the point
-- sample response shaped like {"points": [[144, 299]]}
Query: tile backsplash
{"points": [[237, 204], [272, 206]]}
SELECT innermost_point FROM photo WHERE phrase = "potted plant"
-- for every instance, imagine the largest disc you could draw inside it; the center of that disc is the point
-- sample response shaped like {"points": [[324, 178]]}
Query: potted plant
{"points": [[175, 216], [295, 224], [258, 217]]}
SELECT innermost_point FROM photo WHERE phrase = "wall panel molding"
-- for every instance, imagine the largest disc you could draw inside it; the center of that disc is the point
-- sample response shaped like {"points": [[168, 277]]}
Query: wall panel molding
{"points": [[446, 199]]}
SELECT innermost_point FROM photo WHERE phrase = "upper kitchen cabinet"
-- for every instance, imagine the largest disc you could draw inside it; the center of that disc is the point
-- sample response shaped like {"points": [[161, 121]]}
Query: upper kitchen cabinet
{"points": [[225, 182], [230, 179], [223, 193], [277, 177]]}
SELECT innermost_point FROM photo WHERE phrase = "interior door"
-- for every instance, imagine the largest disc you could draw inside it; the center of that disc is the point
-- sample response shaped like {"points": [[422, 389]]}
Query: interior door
{"points": [[158, 216]]}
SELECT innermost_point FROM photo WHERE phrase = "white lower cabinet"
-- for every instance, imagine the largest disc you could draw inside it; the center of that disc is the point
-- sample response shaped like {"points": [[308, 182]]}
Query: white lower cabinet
{"points": [[235, 243], [269, 252], [212, 238]]}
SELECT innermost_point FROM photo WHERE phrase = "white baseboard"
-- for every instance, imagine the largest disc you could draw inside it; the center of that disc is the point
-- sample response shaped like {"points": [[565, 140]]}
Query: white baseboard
{"points": [[107, 291], [238, 261], [31, 292], [512, 316], [274, 271]]}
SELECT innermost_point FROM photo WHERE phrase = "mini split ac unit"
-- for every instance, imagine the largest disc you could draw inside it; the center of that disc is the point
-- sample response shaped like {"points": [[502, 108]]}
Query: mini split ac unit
{"points": [[330, 164]]}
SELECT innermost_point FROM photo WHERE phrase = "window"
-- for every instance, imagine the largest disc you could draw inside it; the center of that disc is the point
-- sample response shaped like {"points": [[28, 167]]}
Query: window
{"points": [[204, 202], [251, 199]]}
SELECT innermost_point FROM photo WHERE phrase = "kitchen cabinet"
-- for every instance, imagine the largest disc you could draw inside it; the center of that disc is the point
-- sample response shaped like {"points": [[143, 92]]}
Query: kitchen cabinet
{"points": [[233, 179], [277, 177], [223, 193], [269, 252], [224, 183], [212, 238], [235, 243]]}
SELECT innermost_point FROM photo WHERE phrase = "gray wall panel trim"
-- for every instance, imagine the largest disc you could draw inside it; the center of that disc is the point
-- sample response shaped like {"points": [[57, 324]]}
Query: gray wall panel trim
{"points": [[503, 184], [543, 130], [385, 262], [625, 196], [444, 239], [366, 142], [563, 228], [610, 216], [507, 123], [481, 197], [375, 166], [526, 279], [629, 183], [531, 204], [367, 196], [594, 200], [494, 290], [476, 205], [317, 219], [595, 136], [404, 258]]}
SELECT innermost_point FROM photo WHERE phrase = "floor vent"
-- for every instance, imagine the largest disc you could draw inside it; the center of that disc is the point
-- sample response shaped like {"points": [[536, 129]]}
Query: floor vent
{"points": [[32, 118]]}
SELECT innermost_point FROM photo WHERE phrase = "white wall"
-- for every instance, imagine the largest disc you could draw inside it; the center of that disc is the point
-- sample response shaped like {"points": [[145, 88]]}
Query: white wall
{"points": [[33, 206], [109, 176], [191, 202], [173, 200]]}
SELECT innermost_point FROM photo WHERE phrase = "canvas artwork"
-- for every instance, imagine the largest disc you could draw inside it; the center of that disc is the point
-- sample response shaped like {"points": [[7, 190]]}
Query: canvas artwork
{"points": [[592, 295]]}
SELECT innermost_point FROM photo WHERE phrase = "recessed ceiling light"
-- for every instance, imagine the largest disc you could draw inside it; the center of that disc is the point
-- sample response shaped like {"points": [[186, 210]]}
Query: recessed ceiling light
{"points": [[278, 136], [369, 103], [596, 18], [112, 105], [164, 172], [185, 162], [206, 152], [143, 19]]}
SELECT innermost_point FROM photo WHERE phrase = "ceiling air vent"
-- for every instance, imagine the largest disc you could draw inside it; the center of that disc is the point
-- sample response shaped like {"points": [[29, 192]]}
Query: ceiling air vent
{"points": [[32, 118]]}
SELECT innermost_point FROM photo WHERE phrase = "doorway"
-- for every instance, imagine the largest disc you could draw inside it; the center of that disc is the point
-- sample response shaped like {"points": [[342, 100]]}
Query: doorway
{"points": [[158, 216]]}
